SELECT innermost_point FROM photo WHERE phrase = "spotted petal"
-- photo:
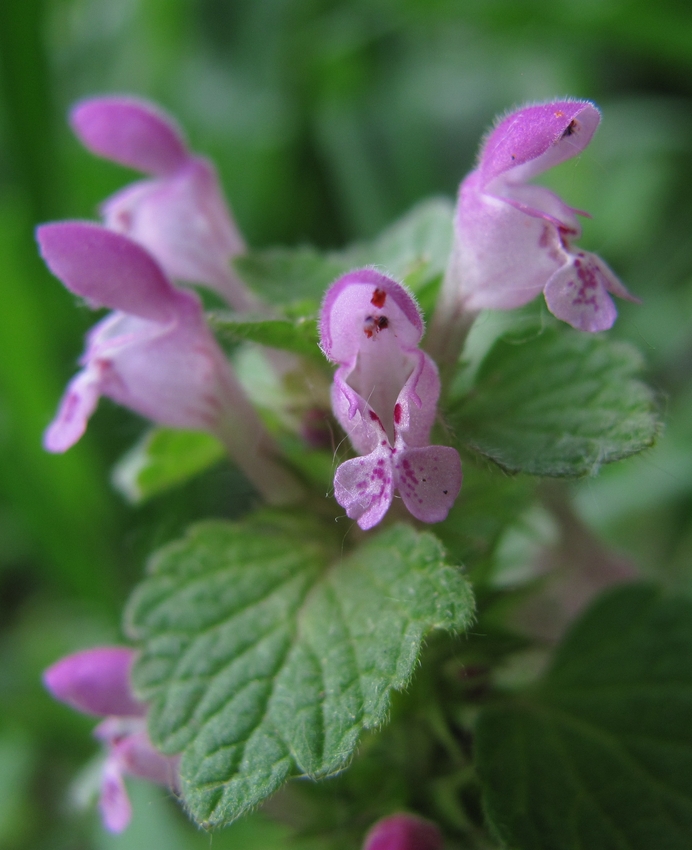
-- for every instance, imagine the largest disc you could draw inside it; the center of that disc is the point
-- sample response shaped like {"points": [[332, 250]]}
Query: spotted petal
{"points": [[429, 480], [364, 487]]}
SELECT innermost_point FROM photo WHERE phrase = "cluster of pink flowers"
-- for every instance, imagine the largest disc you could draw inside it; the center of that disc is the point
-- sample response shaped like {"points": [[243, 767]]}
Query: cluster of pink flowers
{"points": [[155, 354]]}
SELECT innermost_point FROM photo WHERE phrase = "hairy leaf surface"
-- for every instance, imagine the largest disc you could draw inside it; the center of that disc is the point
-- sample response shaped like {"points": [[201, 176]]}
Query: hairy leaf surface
{"points": [[266, 651], [414, 249], [560, 403], [296, 335]]}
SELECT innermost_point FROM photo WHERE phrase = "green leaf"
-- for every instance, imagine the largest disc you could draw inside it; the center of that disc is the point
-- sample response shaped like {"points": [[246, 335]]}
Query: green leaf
{"points": [[164, 458], [559, 403], [598, 755], [298, 335], [414, 249], [490, 501], [266, 652], [286, 276]]}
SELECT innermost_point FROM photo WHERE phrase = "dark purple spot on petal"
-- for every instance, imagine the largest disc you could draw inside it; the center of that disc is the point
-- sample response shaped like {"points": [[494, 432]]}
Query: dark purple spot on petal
{"points": [[588, 285], [379, 296]]}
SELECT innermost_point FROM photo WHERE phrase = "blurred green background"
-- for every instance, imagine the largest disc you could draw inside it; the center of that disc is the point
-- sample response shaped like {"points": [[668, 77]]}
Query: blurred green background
{"points": [[327, 119]]}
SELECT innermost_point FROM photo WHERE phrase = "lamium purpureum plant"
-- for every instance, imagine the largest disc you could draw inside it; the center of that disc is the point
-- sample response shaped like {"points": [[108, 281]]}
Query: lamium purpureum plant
{"points": [[283, 644]]}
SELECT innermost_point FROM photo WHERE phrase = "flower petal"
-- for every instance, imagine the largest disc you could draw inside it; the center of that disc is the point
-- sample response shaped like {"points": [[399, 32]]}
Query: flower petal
{"points": [[363, 426], [116, 809], [429, 480], [541, 203], [577, 294], [138, 757], [531, 140], [108, 270], [132, 132], [364, 487], [185, 224], [502, 256], [176, 377], [359, 306], [96, 681], [416, 407], [76, 406]]}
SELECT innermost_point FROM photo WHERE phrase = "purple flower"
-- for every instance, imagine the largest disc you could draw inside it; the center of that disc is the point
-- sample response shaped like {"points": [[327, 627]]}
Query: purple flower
{"points": [[180, 215], [513, 239], [97, 681], [403, 832], [385, 396], [154, 354]]}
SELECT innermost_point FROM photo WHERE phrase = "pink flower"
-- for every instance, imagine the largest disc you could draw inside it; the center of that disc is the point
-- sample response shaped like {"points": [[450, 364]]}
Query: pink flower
{"points": [[513, 239], [385, 396], [153, 354], [179, 215], [403, 832], [97, 681]]}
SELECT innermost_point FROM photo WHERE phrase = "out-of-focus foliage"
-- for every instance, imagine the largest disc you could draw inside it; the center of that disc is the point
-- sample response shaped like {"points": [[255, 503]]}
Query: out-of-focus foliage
{"points": [[327, 120], [612, 712]]}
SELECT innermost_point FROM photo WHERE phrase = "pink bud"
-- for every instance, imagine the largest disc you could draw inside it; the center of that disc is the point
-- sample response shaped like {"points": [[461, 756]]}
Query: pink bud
{"points": [[96, 681], [403, 832]]}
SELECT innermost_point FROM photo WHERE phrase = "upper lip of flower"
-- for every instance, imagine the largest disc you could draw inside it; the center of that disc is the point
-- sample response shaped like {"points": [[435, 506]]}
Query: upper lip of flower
{"points": [[341, 340], [533, 139]]}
